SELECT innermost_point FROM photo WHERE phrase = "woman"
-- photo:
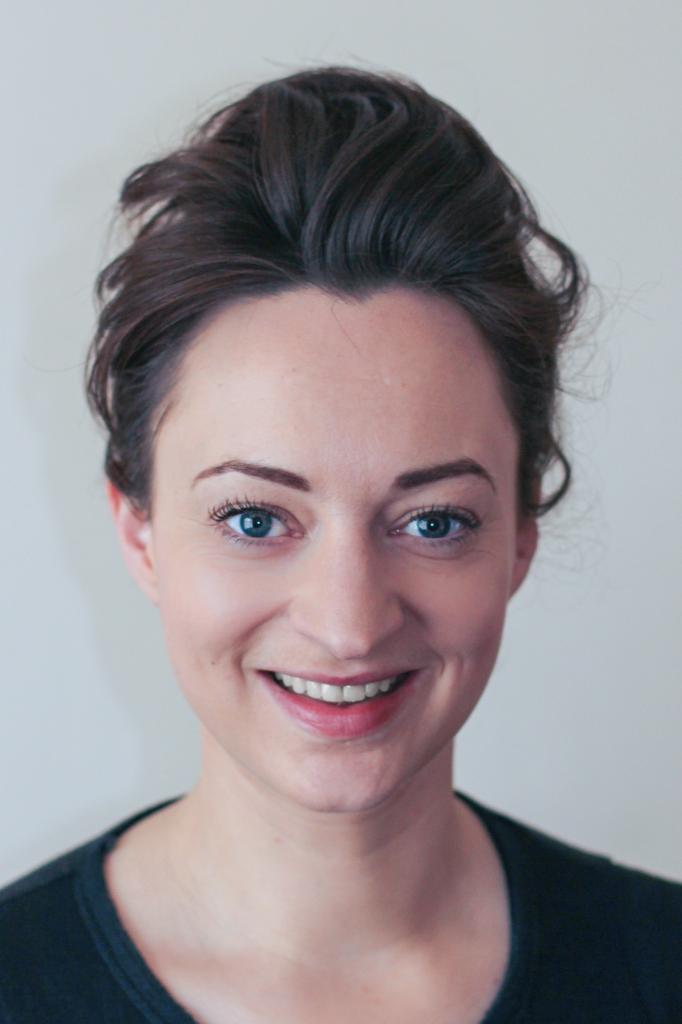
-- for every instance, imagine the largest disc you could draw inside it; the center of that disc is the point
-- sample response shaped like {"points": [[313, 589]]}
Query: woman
{"points": [[327, 364]]}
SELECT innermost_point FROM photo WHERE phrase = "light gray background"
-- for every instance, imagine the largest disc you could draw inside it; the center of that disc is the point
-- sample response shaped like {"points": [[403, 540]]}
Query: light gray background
{"points": [[579, 731]]}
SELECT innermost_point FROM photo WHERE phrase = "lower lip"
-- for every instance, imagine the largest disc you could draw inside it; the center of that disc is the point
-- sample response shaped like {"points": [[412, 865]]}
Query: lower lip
{"points": [[341, 722]]}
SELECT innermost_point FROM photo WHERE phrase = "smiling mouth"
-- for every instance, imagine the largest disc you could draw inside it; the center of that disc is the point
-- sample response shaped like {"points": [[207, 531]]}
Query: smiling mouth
{"points": [[341, 696]]}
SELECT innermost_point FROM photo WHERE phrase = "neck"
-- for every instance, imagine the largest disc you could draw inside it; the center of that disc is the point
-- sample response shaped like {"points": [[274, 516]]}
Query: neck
{"points": [[311, 885]]}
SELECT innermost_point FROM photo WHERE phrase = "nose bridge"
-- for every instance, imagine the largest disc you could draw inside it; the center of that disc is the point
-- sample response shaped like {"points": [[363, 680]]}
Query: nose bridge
{"points": [[345, 598]]}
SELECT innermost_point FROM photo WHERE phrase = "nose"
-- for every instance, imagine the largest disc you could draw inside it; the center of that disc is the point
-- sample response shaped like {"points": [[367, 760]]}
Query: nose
{"points": [[345, 599]]}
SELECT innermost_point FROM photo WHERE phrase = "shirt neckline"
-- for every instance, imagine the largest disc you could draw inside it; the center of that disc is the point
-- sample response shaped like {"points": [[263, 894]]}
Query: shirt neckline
{"points": [[509, 1005], [156, 1003]]}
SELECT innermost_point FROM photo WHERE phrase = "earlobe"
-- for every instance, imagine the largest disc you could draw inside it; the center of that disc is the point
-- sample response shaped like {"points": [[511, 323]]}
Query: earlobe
{"points": [[135, 537], [526, 545]]}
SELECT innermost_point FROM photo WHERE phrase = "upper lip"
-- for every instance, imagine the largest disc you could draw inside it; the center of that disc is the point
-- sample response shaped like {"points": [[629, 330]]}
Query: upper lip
{"points": [[359, 680]]}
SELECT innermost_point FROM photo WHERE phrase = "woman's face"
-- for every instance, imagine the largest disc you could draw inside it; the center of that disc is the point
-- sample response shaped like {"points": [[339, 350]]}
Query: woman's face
{"points": [[295, 530]]}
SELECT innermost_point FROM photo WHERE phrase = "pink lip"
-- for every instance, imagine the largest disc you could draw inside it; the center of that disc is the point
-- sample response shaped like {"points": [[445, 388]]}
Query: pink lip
{"points": [[349, 721], [359, 680]]}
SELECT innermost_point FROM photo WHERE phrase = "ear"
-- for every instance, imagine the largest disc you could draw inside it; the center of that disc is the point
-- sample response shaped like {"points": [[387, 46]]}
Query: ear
{"points": [[526, 544], [135, 537]]}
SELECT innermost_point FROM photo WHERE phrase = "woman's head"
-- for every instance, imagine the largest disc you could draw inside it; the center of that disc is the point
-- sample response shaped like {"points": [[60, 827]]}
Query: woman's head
{"points": [[350, 182], [328, 365]]}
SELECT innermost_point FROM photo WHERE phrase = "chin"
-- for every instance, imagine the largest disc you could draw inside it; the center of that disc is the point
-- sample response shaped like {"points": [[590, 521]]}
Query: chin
{"points": [[340, 802], [332, 789], [370, 779]]}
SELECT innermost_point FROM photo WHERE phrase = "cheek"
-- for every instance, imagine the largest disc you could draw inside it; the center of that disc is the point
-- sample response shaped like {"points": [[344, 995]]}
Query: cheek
{"points": [[465, 610], [209, 614], [467, 614]]}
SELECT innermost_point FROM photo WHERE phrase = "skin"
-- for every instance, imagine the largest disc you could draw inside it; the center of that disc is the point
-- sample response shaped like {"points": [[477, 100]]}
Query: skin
{"points": [[345, 869]]}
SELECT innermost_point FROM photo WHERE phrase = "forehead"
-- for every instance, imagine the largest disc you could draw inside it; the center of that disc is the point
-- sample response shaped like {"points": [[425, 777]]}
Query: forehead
{"points": [[340, 384]]}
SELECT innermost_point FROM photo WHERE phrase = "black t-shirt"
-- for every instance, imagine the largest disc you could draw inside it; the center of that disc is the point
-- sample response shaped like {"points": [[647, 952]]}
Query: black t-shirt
{"points": [[592, 942]]}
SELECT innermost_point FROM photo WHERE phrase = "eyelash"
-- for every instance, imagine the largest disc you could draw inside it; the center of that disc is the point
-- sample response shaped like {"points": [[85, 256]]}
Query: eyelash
{"points": [[220, 513]]}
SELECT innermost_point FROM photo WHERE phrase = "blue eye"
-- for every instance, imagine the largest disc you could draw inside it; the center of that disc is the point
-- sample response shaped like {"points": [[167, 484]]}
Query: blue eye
{"points": [[433, 525], [245, 522], [254, 523], [442, 524]]}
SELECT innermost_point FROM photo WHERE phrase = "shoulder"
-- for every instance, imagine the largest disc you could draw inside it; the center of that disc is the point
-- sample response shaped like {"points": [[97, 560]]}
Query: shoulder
{"points": [[47, 875], [556, 859], [595, 916], [51, 879], [54, 959], [31, 903], [44, 942]]}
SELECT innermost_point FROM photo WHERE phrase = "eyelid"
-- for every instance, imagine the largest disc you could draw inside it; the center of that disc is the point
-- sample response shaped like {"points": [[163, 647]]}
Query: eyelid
{"points": [[230, 507], [455, 511], [219, 514]]}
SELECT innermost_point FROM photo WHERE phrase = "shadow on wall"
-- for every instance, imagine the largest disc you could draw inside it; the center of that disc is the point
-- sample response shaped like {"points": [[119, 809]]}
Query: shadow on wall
{"points": [[119, 630]]}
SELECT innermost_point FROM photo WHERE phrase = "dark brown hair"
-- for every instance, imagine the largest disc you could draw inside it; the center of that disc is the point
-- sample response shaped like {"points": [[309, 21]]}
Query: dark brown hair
{"points": [[352, 182]]}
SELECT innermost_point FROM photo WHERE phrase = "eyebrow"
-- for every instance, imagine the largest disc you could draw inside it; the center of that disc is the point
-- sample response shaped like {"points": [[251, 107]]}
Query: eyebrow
{"points": [[404, 482]]}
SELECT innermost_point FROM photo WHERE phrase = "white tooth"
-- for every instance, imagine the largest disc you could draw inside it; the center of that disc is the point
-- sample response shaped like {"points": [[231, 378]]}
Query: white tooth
{"points": [[353, 693], [349, 694]]}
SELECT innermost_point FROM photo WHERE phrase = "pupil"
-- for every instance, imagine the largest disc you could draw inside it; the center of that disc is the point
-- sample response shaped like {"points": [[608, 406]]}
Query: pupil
{"points": [[434, 526], [255, 524]]}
